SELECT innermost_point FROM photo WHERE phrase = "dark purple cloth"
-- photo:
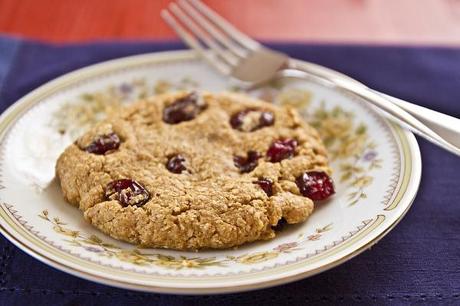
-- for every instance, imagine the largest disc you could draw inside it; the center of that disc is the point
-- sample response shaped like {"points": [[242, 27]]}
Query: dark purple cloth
{"points": [[417, 263]]}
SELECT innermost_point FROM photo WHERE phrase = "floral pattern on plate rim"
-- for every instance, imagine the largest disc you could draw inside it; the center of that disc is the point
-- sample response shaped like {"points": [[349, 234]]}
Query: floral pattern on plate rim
{"points": [[137, 256]]}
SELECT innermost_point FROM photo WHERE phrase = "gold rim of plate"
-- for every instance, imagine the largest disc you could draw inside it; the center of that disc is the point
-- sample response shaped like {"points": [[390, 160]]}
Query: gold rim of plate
{"points": [[32, 245]]}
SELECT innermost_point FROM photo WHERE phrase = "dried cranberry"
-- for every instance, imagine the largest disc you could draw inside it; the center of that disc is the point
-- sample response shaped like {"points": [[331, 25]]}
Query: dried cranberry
{"points": [[104, 144], [246, 164], [266, 119], [127, 192], [176, 164], [281, 149], [251, 119], [266, 185], [184, 109], [316, 185]]}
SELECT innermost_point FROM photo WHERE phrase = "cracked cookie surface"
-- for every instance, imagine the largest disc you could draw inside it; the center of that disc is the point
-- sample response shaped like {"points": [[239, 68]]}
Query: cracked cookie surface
{"points": [[190, 171]]}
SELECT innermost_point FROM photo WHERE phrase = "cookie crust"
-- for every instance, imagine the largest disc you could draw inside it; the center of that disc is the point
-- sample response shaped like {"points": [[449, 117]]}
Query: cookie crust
{"points": [[209, 205]]}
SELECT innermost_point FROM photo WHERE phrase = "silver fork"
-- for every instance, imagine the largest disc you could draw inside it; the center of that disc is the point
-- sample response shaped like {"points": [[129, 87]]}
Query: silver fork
{"points": [[246, 61]]}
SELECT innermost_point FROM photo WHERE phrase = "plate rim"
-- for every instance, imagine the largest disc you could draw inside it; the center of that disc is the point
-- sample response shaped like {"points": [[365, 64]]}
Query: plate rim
{"points": [[21, 106]]}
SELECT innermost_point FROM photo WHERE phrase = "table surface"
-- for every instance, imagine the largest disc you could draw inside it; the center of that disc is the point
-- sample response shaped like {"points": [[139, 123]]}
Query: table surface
{"points": [[362, 21]]}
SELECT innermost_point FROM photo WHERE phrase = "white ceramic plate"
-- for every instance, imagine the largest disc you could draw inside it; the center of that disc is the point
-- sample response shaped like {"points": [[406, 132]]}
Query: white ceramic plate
{"points": [[376, 166]]}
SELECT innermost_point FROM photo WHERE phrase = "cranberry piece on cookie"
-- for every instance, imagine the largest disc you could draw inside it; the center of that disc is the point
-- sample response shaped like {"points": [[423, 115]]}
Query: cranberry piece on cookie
{"points": [[104, 144], [316, 185], [247, 164], [184, 109], [266, 185], [281, 149], [176, 164], [251, 119], [127, 192]]}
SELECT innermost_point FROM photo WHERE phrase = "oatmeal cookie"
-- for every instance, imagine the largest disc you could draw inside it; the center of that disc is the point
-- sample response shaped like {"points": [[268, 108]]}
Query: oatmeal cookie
{"points": [[189, 171]]}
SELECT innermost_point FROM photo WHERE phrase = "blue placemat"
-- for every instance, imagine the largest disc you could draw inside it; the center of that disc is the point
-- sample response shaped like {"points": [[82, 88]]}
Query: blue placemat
{"points": [[417, 263]]}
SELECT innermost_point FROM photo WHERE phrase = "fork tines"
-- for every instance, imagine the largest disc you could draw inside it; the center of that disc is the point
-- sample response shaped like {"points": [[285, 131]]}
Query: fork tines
{"points": [[209, 34]]}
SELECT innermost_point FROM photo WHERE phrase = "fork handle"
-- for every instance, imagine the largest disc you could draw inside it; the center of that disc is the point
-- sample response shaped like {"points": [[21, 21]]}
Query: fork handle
{"points": [[391, 109], [444, 125]]}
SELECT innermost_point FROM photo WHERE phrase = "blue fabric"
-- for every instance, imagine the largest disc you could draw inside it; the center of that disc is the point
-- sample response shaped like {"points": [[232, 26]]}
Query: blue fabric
{"points": [[417, 263], [8, 50]]}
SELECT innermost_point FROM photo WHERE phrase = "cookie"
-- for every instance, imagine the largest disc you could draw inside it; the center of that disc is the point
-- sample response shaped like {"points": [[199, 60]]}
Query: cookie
{"points": [[196, 170]]}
